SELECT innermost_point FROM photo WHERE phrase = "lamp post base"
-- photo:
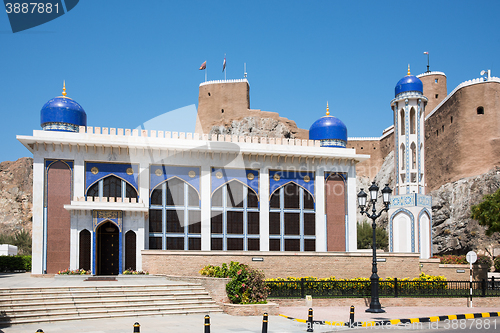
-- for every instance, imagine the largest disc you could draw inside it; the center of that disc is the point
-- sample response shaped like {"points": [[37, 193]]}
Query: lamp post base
{"points": [[375, 310]]}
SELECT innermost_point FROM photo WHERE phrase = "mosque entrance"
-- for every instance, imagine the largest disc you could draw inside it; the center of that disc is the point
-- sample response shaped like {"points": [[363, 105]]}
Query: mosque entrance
{"points": [[108, 249]]}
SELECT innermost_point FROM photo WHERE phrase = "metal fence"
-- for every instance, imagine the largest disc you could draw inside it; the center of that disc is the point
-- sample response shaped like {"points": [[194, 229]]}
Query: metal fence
{"points": [[396, 288]]}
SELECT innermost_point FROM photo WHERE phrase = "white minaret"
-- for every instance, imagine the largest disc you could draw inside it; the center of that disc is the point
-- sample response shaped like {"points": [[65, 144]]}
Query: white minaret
{"points": [[408, 107], [410, 214]]}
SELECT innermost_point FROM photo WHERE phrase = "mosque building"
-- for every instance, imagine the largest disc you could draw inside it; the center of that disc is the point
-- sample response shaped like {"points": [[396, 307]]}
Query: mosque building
{"points": [[105, 197], [101, 196]]}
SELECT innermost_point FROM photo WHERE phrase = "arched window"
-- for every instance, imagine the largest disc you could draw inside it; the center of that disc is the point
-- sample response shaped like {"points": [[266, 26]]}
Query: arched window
{"points": [[413, 148], [235, 218], [480, 110], [174, 217], [112, 187], [84, 253], [412, 121], [292, 225], [403, 157], [130, 250], [402, 121]]}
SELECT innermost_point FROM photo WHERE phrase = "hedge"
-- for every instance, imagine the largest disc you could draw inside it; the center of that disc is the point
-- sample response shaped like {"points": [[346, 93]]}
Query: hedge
{"points": [[15, 263]]}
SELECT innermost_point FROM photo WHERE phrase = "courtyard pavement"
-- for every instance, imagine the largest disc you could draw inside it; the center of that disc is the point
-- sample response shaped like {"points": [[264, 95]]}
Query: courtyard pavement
{"points": [[220, 323]]}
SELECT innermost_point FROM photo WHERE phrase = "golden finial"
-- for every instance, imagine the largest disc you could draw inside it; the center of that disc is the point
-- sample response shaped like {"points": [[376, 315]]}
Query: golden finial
{"points": [[409, 69], [64, 89], [327, 109]]}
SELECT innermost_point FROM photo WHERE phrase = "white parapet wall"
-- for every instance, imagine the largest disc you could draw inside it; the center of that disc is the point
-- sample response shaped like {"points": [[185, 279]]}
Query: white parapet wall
{"points": [[8, 250]]}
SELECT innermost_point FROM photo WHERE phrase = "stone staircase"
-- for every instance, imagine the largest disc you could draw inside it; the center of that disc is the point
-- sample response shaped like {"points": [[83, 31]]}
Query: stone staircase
{"points": [[34, 305]]}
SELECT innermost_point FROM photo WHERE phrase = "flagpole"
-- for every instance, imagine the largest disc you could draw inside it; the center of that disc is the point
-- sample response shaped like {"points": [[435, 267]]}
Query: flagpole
{"points": [[205, 74]]}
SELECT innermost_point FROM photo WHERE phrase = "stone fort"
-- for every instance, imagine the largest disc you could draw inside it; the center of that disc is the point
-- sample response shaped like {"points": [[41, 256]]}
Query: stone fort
{"points": [[462, 128]]}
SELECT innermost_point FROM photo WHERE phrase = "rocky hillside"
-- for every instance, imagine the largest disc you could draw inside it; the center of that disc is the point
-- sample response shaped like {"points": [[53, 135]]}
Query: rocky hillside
{"points": [[454, 232], [254, 126], [16, 199]]}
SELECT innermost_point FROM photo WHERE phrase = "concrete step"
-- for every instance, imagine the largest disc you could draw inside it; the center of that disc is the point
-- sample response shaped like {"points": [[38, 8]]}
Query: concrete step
{"points": [[207, 310], [25, 305]]}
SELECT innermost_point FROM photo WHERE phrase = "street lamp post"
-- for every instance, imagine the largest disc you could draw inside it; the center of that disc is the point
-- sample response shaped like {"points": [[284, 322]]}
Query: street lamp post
{"points": [[375, 306]]}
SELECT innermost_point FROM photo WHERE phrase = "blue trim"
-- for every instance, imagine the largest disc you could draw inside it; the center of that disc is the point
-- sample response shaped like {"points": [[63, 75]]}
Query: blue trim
{"points": [[168, 172], [108, 169], [120, 253], [231, 174], [291, 176], [391, 237]]}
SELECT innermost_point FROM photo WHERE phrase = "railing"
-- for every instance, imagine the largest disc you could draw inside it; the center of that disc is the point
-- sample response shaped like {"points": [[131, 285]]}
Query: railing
{"points": [[395, 288]]}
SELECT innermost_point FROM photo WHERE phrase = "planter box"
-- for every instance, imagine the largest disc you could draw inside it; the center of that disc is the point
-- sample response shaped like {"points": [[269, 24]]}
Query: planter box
{"points": [[272, 309]]}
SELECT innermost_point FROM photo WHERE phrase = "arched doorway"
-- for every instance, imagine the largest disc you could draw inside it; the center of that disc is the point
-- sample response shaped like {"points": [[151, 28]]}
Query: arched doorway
{"points": [[130, 250], [108, 249]]}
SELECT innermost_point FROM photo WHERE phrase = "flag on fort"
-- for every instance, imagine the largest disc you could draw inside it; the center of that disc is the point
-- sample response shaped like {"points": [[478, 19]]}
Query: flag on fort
{"points": [[224, 64], [203, 65], [426, 52]]}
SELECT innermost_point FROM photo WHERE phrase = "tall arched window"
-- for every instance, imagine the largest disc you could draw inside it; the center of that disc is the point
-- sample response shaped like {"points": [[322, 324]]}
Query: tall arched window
{"points": [[402, 121], [112, 187], [130, 250], [292, 225], [413, 148], [235, 218], [84, 253], [412, 121], [403, 157], [175, 217]]}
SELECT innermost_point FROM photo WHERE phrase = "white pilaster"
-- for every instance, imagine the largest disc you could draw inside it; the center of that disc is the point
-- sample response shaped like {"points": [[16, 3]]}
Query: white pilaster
{"points": [[205, 207], [351, 209], [264, 209], [319, 189], [38, 229]]}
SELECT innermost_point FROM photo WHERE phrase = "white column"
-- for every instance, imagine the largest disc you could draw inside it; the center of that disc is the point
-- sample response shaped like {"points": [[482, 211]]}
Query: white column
{"points": [[205, 190], [351, 209], [141, 237], [74, 241], [264, 208], [37, 240], [319, 189], [142, 240], [78, 176]]}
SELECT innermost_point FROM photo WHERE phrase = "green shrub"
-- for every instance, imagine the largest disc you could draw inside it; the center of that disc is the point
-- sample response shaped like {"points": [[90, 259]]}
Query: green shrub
{"points": [[247, 285], [497, 264], [15, 263]]}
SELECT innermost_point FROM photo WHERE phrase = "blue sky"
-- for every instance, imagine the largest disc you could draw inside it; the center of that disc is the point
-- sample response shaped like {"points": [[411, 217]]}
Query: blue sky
{"points": [[127, 62]]}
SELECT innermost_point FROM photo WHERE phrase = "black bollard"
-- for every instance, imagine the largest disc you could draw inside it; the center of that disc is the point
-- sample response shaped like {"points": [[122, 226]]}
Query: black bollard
{"points": [[39, 330], [207, 324], [137, 327], [351, 316], [264, 323], [310, 323]]}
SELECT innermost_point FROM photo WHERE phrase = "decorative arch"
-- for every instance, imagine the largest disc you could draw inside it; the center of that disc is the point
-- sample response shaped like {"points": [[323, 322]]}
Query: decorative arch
{"points": [[391, 225], [84, 252], [235, 180], [413, 149], [109, 175], [170, 178], [403, 164], [429, 216], [402, 113], [295, 183], [412, 121]]}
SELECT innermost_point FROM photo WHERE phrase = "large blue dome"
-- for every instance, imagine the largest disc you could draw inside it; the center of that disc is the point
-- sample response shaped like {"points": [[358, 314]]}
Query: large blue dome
{"points": [[62, 114], [330, 130], [409, 83]]}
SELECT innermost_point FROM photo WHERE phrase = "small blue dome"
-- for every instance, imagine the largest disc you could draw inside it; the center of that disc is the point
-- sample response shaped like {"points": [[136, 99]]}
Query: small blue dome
{"points": [[62, 114], [330, 130], [409, 83]]}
